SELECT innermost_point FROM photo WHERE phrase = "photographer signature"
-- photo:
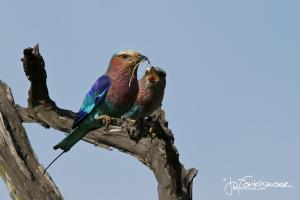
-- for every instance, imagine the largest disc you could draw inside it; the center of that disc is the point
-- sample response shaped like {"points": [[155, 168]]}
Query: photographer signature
{"points": [[250, 184]]}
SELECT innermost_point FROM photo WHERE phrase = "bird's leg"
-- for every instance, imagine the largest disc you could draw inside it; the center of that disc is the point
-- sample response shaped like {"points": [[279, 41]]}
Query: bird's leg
{"points": [[104, 119]]}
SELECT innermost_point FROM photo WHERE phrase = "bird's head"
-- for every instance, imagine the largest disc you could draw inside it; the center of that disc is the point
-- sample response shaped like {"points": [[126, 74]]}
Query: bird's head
{"points": [[155, 75], [127, 60]]}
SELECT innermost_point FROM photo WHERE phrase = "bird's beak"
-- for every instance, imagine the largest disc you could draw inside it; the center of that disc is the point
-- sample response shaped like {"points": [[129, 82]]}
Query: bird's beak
{"points": [[140, 58], [152, 75]]}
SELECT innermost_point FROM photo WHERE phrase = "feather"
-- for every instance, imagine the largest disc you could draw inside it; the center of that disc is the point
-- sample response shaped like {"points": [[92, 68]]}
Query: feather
{"points": [[93, 98]]}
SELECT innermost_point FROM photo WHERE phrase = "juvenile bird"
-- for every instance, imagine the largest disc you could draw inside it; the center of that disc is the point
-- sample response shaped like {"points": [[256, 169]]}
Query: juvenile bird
{"points": [[151, 94], [112, 95]]}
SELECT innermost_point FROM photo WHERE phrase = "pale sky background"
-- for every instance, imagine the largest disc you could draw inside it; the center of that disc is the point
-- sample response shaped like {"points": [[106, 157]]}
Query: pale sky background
{"points": [[232, 96]]}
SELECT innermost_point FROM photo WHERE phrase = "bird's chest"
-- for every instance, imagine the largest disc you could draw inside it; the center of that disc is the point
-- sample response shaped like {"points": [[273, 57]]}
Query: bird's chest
{"points": [[120, 98], [146, 97], [149, 99]]}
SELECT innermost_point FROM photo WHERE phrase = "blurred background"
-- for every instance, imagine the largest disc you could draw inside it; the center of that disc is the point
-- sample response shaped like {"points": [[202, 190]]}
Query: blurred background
{"points": [[232, 97]]}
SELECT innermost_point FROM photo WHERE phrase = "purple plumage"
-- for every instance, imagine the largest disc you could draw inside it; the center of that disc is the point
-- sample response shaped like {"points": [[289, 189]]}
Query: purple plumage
{"points": [[120, 96]]}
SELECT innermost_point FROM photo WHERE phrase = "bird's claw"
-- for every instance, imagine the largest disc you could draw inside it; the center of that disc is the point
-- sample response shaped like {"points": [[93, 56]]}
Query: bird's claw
{"points": [[105, 119]]}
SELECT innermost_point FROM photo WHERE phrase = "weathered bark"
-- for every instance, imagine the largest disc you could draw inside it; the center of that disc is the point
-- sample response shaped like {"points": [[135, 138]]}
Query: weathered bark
{"points": [[153, 148], [19, 167]]}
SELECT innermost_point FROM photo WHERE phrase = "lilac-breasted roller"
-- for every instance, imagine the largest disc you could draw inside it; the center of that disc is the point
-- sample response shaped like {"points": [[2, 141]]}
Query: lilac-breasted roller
{"points": [[151, 94], [112, 95]]}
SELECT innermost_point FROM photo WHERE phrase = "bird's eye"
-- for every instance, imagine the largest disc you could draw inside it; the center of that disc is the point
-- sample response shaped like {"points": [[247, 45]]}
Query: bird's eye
{"points": [[124, 56]]}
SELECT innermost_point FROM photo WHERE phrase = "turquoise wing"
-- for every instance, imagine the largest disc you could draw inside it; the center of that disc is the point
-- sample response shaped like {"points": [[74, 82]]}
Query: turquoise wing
{"points": [[93, 98]]}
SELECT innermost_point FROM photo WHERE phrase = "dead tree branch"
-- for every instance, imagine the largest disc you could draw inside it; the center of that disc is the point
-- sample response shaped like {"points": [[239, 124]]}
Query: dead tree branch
{"points": [[19, 166], [156, 149]]}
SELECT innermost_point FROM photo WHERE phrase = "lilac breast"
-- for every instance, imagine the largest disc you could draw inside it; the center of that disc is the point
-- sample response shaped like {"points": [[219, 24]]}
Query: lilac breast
{"points": [[120, 97]]}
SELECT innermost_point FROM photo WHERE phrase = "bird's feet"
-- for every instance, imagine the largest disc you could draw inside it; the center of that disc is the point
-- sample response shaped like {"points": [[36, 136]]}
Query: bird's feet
{"points": [[105, 119]]}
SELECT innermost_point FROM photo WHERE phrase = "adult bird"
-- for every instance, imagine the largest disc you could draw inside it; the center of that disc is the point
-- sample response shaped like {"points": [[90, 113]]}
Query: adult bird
{"points": [[112, 95], [151, 94]]}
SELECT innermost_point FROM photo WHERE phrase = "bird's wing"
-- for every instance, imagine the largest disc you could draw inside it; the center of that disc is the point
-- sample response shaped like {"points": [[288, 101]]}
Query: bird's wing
{"points": [[134, 113], [93, 98]]}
